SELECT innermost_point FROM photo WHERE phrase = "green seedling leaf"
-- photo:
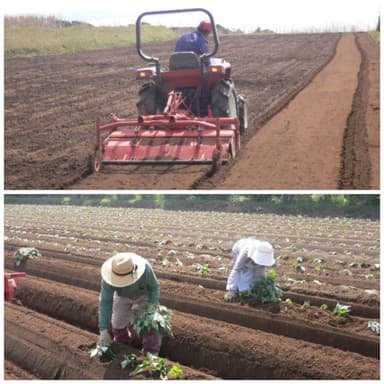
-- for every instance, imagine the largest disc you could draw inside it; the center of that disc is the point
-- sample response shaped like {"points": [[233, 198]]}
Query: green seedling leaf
{"points": [[374, 326], [155, 364], [342, 310], [149, 317], [267, 289], [176, 372], [203, 269], [354, 264], [324, 307], [102, 352], [305, 305], [298, 268]]}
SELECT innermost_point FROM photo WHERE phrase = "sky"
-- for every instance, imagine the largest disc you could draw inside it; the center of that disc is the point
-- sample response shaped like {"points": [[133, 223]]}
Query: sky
{"points": [[247, 15]]}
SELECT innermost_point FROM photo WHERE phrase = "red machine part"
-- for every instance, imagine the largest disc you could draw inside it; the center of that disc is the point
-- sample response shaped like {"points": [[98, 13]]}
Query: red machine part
{"points": [[10, 284], [171, 137]]}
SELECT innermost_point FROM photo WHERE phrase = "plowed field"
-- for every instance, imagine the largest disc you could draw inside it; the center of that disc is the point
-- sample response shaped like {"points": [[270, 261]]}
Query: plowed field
{"points": [[50, 331], [52, 102]]}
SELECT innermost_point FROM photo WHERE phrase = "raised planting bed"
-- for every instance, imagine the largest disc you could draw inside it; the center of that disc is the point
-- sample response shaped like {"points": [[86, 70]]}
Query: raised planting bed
{"points": [[53, 349], [224, 349], [191, 255]]}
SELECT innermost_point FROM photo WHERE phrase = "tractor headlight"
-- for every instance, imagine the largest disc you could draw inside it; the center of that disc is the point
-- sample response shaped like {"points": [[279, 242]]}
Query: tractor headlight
{"points": [[144, 73], [216, 69]]}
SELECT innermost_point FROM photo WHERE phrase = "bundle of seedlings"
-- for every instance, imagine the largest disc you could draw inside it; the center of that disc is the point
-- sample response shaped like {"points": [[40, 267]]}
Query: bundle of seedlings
{"points": [[152, 318], [266, 290]]}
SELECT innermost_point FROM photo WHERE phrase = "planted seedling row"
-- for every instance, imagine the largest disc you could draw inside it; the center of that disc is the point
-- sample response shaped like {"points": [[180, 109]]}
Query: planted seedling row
{"points": [[174, 293], [196, 335]]}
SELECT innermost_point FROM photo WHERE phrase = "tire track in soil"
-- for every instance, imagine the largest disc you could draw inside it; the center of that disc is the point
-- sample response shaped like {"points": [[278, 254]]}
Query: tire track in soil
{"points": [[284, 154], [227, 350], [360, 158]]}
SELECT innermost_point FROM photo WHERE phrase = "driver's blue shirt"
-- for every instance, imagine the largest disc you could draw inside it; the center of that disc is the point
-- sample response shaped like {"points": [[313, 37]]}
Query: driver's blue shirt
{"points": [[193, 41]]}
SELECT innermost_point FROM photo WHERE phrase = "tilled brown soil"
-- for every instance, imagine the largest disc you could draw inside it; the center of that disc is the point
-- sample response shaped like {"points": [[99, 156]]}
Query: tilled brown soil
{"points": [[213, 343], [52, 102], [245, 339]]}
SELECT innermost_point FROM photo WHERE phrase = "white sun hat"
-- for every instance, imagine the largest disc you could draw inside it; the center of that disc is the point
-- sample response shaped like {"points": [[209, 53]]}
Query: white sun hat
{"points": [[261, 252], [123, 269]]}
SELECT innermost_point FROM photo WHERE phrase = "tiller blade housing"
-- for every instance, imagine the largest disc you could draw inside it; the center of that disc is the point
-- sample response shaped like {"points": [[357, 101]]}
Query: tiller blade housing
{"points": [[165, 138]]}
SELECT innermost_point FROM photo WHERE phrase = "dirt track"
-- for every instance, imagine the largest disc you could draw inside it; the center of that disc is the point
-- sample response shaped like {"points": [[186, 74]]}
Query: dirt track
{"points": [[300, 148], [58, 320], [55, 100]]}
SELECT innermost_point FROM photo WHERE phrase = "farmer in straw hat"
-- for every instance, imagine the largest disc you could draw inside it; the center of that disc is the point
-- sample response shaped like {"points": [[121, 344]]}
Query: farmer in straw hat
{"points": [[127, 279], [250, 257]]}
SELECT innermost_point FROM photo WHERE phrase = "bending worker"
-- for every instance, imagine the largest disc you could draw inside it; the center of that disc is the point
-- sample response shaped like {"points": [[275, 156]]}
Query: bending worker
{"points": [[195, 41], [250, 257], [127, 279]]}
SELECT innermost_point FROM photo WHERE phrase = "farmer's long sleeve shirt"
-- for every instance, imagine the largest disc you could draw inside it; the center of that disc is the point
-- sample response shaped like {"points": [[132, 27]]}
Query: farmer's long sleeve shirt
{"points": [[148, 284], [244, 270], [193, 41]]}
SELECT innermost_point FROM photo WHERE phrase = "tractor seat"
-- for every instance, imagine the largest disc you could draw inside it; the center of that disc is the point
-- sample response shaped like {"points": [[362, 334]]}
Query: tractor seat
{"points": [[184, 60]]}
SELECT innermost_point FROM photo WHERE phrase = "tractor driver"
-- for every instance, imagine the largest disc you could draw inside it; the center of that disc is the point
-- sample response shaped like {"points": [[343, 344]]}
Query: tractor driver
{"points": [[195, 41], [250, 257]]}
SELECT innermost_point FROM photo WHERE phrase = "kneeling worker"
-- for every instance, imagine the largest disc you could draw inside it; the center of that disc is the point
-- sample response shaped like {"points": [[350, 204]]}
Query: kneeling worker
{"points": [[127, 279], [250, 257]]}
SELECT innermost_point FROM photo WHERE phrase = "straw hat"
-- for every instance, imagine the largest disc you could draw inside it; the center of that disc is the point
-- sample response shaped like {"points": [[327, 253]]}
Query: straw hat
{"points": [[123, 269], [262, 253]]}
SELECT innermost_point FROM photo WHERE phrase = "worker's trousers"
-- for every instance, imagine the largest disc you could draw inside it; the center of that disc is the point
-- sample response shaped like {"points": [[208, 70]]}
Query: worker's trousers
{"points": [[121, 324]]}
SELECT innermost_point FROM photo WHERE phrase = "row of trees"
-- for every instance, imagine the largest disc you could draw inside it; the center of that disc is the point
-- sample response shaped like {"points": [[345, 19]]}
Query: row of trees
{"points": [[309, 204]]}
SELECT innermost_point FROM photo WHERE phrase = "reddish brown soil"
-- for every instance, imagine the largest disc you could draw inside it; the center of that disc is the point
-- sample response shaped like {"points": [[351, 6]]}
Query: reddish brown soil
{"points": [[54, 101], [236, 340]]}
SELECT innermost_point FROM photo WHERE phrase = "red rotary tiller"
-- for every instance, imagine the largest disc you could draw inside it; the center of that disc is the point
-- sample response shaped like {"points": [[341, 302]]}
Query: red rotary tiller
{"points": [[189, 113], [10, 284]]}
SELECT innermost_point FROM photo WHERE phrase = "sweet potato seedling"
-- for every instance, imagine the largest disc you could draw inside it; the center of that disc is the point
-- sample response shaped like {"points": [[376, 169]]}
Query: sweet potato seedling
{"points": [[342, 310]]}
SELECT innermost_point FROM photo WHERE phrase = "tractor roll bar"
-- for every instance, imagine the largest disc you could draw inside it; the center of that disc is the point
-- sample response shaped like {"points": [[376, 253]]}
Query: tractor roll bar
{"points": [[155, 59]]}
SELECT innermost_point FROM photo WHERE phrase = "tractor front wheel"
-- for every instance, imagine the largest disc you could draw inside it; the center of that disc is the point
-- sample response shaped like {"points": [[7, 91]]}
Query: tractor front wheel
{"points": [[148, 103]]}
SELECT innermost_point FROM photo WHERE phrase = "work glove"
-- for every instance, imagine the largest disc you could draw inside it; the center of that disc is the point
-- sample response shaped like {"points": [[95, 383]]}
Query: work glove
{"points": [[230, 296], [105, 339]]}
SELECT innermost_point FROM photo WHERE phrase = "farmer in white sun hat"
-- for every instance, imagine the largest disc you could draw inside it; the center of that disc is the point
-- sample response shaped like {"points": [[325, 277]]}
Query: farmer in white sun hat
{"points": [[250, 257], [127, 279]]}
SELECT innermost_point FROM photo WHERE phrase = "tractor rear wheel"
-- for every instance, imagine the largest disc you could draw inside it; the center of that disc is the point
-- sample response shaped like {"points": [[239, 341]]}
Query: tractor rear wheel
{"points": [[224, 100], [148, 99], [243, 113]]}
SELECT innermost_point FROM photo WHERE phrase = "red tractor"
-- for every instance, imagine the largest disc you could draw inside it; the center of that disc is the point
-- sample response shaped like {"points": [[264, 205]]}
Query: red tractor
{"points": [[189, 112], [10, 284]]}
